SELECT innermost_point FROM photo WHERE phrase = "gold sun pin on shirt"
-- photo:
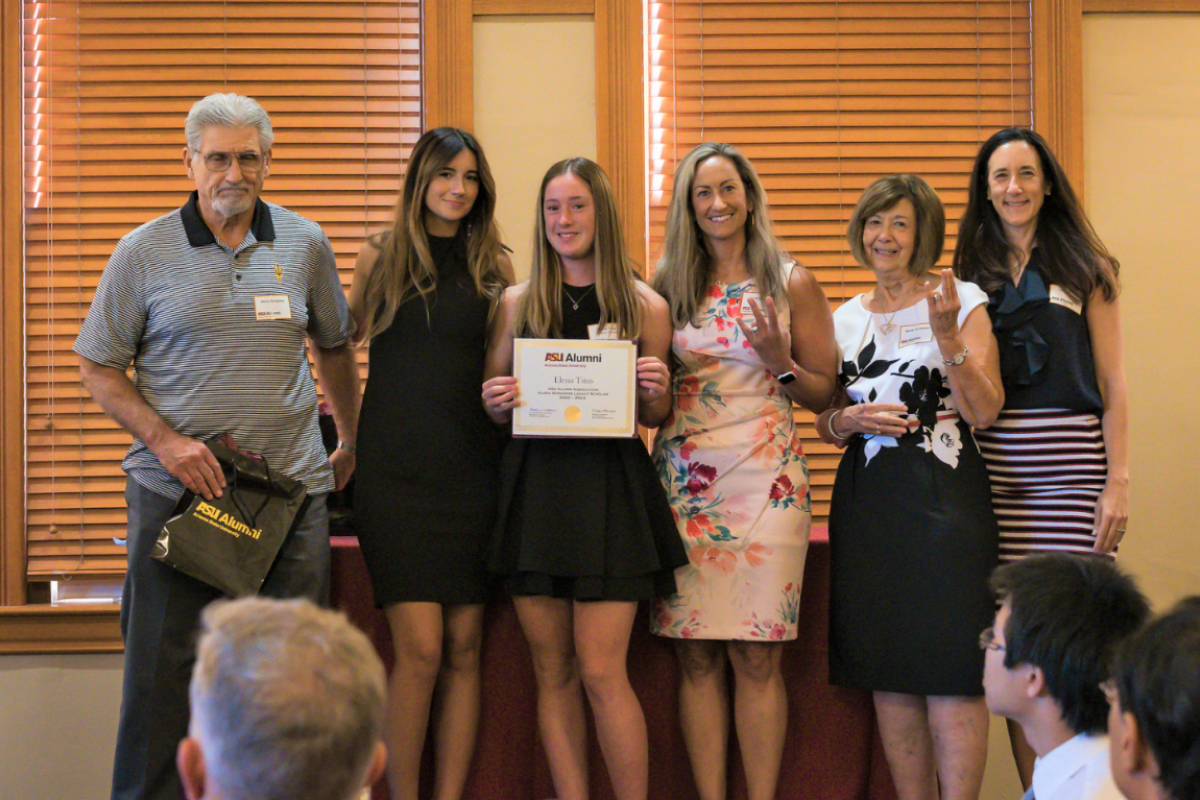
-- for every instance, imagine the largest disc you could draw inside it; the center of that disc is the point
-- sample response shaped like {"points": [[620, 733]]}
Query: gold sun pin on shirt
{"points": [[278, 273]]}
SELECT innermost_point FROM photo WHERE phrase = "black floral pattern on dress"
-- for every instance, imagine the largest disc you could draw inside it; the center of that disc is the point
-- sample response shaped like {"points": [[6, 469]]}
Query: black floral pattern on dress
{"points": [[865, 367], [925, 394]]}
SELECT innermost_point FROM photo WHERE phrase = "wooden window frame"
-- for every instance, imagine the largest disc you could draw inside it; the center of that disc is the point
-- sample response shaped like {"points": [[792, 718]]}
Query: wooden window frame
{"points": [[448, 63]]}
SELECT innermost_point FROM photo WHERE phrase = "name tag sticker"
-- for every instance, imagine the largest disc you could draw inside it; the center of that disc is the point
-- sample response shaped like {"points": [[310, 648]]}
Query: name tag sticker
{"points": [[1061, 297], [747, 311], [610, 332], [915, 334], [272, 306]]}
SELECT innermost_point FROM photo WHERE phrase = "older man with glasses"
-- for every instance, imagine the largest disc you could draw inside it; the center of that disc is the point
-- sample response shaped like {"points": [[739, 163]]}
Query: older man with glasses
{"points": [[214, 305], [1060, 621]]}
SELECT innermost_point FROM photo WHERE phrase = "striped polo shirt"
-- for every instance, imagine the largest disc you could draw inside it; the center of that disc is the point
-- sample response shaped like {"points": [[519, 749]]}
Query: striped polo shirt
{"points": [[185, 309]]}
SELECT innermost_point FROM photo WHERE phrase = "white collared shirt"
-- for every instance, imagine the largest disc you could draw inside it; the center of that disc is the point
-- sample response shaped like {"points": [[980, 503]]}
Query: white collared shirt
{"points": [[1076, 770]]}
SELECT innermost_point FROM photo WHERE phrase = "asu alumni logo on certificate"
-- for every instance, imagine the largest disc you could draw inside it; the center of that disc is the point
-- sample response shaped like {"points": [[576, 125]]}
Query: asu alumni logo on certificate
{"points": [[576, 358]]}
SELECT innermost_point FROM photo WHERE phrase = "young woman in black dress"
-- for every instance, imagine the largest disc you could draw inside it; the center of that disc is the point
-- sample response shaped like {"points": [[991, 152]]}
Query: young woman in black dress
{"points": [[424, 294], [584, 530]]}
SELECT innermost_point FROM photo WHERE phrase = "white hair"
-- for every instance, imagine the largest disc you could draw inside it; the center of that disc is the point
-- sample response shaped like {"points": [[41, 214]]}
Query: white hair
{"points": [[287, 700], [228, 111]]}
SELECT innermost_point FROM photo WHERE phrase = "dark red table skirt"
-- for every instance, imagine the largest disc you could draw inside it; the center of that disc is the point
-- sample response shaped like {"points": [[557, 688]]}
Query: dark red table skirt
{"points": [[832, 750]]}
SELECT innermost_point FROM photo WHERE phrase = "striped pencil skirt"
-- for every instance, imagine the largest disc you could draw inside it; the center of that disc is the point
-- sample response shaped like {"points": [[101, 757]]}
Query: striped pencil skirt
{"points": [[1047, 469]]}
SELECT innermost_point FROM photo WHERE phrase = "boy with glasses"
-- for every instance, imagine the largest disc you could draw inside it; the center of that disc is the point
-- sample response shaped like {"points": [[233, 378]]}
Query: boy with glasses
{"points": [[1060, 621]]}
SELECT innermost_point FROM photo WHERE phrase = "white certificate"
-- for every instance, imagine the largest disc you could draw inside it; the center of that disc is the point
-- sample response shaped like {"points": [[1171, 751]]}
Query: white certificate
{"points": [[575, 387]]}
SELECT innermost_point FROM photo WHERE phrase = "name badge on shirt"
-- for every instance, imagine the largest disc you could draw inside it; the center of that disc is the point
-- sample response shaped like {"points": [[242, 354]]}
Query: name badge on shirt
{"points": [[272, 306], [610, 332], [915, 334], [1061, 297], [747, 311]]}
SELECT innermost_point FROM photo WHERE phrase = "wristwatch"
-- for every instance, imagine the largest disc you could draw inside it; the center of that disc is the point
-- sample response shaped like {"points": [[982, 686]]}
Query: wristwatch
{"points": [[788, 377], [349, 448]]}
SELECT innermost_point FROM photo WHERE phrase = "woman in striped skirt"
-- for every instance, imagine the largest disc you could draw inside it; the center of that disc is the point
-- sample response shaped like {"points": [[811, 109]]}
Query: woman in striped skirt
{"points": [[1057, 455]]}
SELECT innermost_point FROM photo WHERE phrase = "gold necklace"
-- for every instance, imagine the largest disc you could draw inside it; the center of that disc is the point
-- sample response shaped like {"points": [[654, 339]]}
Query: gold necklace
{"points": [[575, 302], [887, 326]]}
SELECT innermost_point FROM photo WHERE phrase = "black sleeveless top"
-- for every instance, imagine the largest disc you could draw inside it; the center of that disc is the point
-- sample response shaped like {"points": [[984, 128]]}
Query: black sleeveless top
{"points": [[1045, 347]]}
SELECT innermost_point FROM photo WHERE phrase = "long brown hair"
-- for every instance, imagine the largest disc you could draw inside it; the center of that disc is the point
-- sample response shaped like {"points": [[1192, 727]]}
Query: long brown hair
{"points": [[405, 266], [682, 275], [539, 310], [1069, 251]]}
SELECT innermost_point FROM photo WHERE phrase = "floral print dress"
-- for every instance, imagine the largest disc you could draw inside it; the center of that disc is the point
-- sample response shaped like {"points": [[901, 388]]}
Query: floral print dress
{"points": [[731, 461], [912, 535]]}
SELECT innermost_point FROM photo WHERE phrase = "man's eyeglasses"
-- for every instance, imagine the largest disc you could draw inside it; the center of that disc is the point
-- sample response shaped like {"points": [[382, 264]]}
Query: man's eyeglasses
{"points": [[987, 640], [248, 162]]}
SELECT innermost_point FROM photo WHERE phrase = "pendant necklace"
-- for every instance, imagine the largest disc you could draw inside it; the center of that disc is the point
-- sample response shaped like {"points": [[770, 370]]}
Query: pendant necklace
{"points": [[887, 326], [575, 302]]}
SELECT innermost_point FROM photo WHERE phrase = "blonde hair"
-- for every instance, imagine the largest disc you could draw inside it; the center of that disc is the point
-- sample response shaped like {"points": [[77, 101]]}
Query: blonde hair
{"points": [[539, 310], [682, 275], [405, 266], [930, 223]]}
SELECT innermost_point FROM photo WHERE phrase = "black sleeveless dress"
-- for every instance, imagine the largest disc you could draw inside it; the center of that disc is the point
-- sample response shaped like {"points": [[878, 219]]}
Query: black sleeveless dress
{"points": [[585, 519], [428, 456]]}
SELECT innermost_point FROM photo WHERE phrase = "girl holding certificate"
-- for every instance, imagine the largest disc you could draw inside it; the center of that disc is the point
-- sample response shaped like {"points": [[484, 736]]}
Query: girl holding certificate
{"points": [[584, 530], [753, 336], [428, 457]]}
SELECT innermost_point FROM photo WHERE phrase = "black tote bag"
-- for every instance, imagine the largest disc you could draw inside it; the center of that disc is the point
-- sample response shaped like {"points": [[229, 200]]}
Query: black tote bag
{"points": [[231, 541]]}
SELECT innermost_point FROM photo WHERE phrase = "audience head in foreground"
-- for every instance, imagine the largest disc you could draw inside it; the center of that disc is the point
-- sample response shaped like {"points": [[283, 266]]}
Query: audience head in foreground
{"points": [[1154, 725], [1061, 620], [287, 704]]}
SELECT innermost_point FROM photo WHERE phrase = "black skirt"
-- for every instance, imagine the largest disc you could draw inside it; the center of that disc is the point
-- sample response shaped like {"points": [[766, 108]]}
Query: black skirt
{"points": [[913, 542], [585, 519]]}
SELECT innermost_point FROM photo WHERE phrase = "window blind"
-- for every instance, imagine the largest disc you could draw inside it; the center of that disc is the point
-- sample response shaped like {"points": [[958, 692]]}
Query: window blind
{"points": [[107, 87]]}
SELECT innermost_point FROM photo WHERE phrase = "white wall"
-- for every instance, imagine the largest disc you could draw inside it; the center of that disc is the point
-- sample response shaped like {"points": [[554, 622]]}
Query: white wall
{"points": [[535, 104], [1142, 136], [58, 726]]}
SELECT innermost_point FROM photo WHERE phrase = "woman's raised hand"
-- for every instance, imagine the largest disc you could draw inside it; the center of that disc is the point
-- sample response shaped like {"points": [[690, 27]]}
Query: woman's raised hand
{"points": [[944, 306], [770, 340]]}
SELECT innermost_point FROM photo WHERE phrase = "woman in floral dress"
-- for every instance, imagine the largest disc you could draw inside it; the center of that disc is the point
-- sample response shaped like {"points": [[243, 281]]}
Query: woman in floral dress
{"points": [[911, 527], [753, 335]]}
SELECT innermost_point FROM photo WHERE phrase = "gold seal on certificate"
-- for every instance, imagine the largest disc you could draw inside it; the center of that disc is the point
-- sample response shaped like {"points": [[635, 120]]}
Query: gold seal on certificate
{"points": [[575, 387]]}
